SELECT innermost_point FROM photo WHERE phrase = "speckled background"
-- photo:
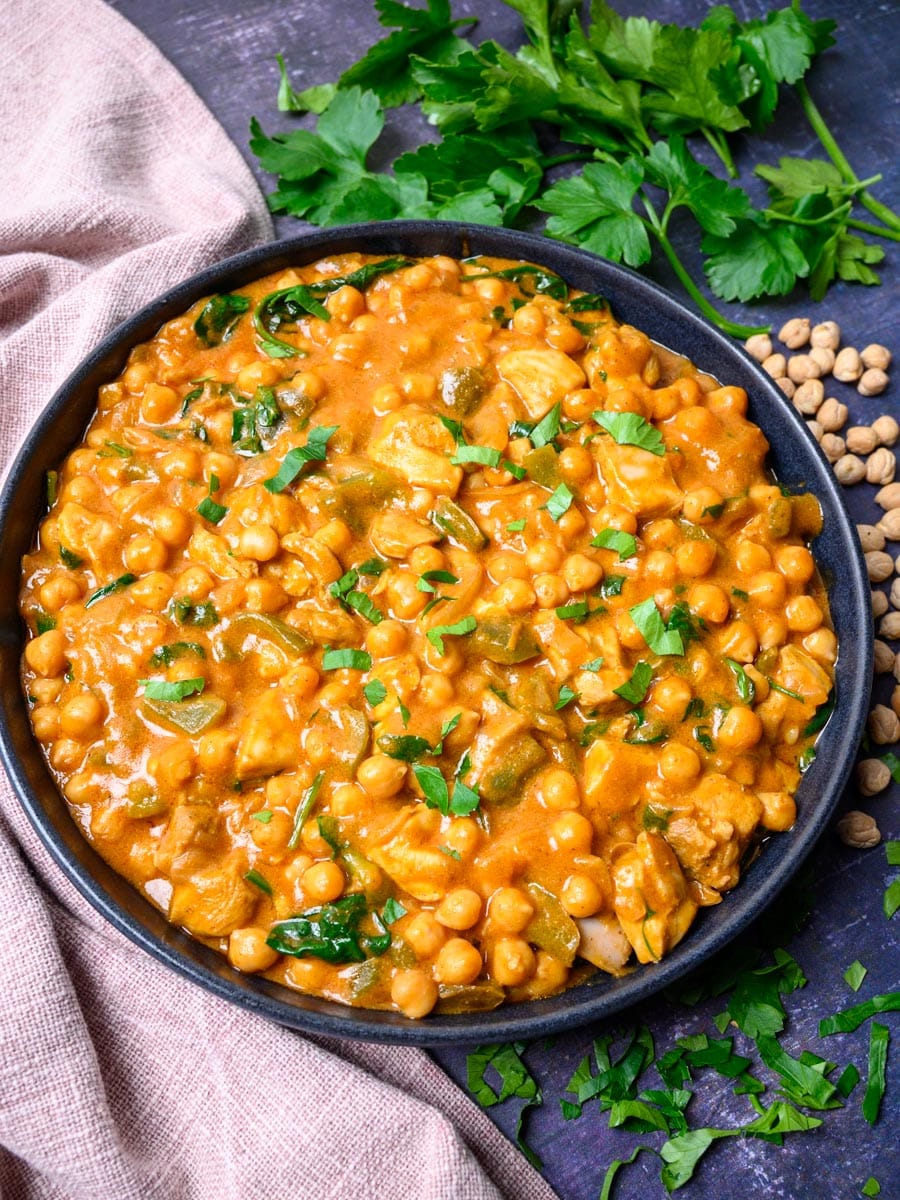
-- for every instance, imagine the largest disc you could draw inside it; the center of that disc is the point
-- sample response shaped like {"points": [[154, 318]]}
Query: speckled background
{"points": [[226, 50]]}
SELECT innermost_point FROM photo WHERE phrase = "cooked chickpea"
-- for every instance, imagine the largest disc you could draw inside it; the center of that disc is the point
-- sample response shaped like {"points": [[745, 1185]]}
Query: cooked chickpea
{"points": [[259, 542], [257, 374], [581, 573], [751, 558], [323, 881], [671, 696], [387, 639], [695, 558], [385, 399], [767, 589], [512, 961], [803, 614], [435, 691], [82, 716], [45, 722], [458, 962], [575, 464], [515, 595], [709, 602], [264, 595], [544, 556], [822, 645], [426, 558], [301, 681], [459, 909], [171, 525], [425, 934], [507, 565], [248, 951], [679, 764], [381, 776], [464, 836], [336, 535], [159, 403], [580, 896], [46, 653], [771, 629], [58, 591], [145, 552], [740, 730], [779, 811], [558, 789], [739, 641], [795, 563], [660, 567], [510, 910], [551, 591], [181, 463], [405, 598], [414, 992], [153, 591], [701, 505], [573, 832]]}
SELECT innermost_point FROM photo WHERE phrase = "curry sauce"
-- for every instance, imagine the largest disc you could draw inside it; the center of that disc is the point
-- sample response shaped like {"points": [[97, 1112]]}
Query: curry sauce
{"points": [[420, 636]]}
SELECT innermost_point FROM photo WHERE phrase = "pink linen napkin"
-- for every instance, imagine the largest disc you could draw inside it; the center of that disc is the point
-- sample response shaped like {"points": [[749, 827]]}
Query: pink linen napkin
{"points": [[118, 1079]]}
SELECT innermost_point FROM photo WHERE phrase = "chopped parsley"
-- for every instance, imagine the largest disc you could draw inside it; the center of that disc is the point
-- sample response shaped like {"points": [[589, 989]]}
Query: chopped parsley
{"points": [[630, 429], [625, 544], [457, 629], [559, 503], [295, 460], [354, 660], [160, 689]]}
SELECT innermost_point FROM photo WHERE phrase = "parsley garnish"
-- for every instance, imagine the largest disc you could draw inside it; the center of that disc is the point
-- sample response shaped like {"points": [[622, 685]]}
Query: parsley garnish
{"points": [[109, 589], [295, 460], [630, 429], [746, 688], [625, 544], [355, 660], [659, 635], [375, 692], [559, 503], [566, 696], [259, 881], [219, 317], [159, 689], [635, 689], [457, 629]]}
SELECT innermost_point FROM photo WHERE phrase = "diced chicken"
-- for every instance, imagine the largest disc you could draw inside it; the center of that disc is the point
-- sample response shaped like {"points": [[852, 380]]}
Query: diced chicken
{"points": [[269, 741], [192, 834], [563, 647], [636, 479], [603, 943], [615, 774], [711, 836], [652, 899], [540, 378], [404, 855], [213, 902], [394, 534], [211, 550], [84, 532], [320, 563], [415, 443]]}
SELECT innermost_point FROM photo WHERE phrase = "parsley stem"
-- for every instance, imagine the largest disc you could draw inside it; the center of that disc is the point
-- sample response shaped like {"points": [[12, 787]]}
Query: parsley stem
{"points": [[559, 159], [834, 152], [877, 230], [836, 214], [719, 143], [711, 313]]}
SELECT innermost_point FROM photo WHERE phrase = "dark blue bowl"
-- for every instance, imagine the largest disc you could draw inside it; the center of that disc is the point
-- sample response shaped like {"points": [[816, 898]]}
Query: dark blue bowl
{"points": [[796, 461]]}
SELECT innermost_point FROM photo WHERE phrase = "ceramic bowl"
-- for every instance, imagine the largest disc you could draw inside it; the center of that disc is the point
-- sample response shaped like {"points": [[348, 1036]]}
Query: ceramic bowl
{"points": [[796, 462]]}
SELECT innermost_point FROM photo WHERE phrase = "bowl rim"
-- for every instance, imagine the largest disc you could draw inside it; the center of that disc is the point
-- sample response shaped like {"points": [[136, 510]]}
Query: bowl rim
{"points": [[59, 426]]}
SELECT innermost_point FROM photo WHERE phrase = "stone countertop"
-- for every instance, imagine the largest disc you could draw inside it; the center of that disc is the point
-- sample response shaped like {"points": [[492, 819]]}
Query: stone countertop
{"points": [[227, 52]]}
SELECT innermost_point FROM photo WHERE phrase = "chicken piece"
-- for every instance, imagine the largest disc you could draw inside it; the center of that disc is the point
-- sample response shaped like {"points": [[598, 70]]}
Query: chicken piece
{"points": [[191, 838], [710, 837], [415, 443], [540, 378], [85, 534], [652, 899], [636, 479], [394, 534], [212, 902], [269, 739], [615, 774], [561, 644], [503, 754], [320, 563], [404, 854], [211, 550], [603, 943]]}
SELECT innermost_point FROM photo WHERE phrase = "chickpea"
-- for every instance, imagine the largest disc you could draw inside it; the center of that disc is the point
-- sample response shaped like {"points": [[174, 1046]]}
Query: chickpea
{"points": [[171, 525], [512, 961], [779, 811], [795, 563], [464, 836], [348, 800], [459, 909], [425, 934], [59, 590], [145, 552], [803, 614], [822, 645], [740, 730], [695, 558], [570, 524], [458, 962], [181, 463], [697, 505], [159, 403], [562, 335], [45, 722], [557, 789], [510, 909], [544, 556], [507, 565], [46, 654], [223, 466], [81, 716], [247, 949], [381, 776], [629, 634], [426, 558], [679, 764], [154, 591], [573, 832], [750, 558], [414, 992], [709, 602], [404, 597], [550, 975], [45, 691], [767, 589], [771, 629], [515, 595], [257, 374], [671, 696], [530, 320], [346, 303], [435, 691], [305, 974], [580, 896], [739, 641], [727, 400], [615, 516], [418, 388], [660, 567], [264, 595], [301, 681], [259, 542], [66, 754], [575, 464], [581, 573], [386, 399], [195, 583], [335, 535], [551, 591], [173, 766], [323, 881]]}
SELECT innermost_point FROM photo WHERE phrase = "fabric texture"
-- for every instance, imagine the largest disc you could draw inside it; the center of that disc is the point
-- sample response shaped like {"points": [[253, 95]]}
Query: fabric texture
{"points": [[118, 1079]]}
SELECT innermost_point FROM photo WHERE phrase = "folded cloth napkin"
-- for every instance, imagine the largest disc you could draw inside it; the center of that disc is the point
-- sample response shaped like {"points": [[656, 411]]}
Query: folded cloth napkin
{"points": [[118, 1079]]}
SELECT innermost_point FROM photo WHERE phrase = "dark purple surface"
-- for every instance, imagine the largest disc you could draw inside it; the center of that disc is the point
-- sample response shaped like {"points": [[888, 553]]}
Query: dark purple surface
{"points": [[227, 52]]}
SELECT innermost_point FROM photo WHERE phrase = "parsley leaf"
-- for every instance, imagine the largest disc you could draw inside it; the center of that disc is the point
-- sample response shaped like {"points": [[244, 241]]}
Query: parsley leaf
{"points": [[594, 210], [297, 459], [356, 660], [560, 502], [630, 429], [437, 634], [635, 689], [625, 544], [375, 692], [159, 689], [656, 633]]}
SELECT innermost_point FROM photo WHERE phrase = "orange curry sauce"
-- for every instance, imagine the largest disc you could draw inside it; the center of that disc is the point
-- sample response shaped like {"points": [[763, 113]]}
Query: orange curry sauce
{"points": [[418, 635]]}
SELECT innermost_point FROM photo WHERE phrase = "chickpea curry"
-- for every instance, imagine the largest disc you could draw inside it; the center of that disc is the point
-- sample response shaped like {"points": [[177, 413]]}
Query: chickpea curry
{"points": [[421, 637]]}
